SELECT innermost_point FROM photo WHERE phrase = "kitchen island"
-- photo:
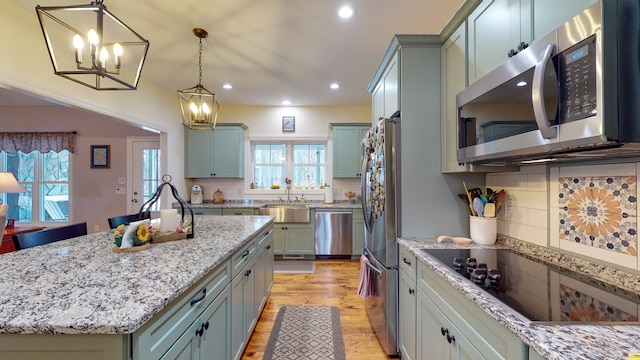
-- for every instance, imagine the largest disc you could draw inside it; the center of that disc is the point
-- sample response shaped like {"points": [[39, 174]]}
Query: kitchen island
{"points": [[77, 297], [548, 340]]}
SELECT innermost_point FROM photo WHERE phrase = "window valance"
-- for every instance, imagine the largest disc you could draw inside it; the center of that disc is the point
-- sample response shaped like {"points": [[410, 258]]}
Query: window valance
{"points": [[12, 142]]}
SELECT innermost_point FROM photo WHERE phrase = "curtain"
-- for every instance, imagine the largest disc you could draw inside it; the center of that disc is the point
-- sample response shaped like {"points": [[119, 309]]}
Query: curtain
{"points": [[12, 142]]}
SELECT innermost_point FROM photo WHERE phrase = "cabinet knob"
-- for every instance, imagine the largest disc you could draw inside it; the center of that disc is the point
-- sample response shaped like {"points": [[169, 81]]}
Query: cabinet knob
{"points": [[411, 291], [199, 332], [523, 45], [512, 52], [444, 331], [451, 338]]}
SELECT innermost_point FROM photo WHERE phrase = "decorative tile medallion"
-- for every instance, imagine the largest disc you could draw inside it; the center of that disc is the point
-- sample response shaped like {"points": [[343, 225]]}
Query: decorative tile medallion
{"points": [[599, 211]]}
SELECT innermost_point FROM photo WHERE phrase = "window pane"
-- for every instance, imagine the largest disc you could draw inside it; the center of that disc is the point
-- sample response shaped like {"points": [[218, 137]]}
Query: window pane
{"points": [[308, 175], [22, 165], [268, 175], [270, 161], [55, 166], [55, 200], [20, 205], [150, 175]]}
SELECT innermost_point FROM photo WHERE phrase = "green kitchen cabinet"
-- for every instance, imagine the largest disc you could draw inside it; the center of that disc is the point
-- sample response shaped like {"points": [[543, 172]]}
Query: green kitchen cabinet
{"points": [[497, 26], [347, 150], [209, 334], [407, 300], [206, 211], [294, 239], [243, 296], [386, 90], [454, 80], [238, 211], [357, 230], [218, 153], [444, 314], [264, 279]]}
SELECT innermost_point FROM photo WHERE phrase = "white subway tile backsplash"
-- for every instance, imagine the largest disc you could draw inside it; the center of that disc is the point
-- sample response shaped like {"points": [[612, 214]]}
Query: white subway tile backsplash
{"points": [[538, 218], [537, 182]]}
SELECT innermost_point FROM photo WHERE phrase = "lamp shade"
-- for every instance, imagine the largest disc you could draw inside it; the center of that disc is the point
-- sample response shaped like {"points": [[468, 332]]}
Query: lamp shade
{"points": [[9, 184], [89, 45]]}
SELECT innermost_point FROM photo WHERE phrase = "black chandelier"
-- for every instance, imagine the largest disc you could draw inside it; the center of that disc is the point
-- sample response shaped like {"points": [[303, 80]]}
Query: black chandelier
{"points": [[91, 46], [198, 105]]}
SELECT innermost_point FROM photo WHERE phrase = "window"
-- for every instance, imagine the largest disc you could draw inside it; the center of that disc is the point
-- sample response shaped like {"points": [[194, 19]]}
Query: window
{"points": [[303, 163], [46, 176]]}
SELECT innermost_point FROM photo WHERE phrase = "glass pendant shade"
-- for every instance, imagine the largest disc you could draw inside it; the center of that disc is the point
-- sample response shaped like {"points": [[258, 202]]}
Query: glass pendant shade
{"points": [[89, 45]]}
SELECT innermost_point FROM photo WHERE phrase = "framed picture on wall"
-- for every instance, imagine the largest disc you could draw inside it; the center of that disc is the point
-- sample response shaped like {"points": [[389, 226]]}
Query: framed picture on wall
{"points": [[100, 156], [288, 123]]}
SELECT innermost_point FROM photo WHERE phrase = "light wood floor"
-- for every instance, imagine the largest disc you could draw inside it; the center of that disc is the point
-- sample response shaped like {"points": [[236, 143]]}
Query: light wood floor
{"points": [[334, 283]]}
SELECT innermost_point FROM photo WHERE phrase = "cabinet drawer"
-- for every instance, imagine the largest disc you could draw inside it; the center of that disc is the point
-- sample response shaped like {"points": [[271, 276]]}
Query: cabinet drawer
{"points": [[154, 338], [243, 256], [265, 237], [201, 211], [238, 212], [407, 262]]}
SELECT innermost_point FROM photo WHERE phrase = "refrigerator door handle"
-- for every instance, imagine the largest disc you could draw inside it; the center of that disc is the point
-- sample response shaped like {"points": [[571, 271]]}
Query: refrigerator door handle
{"points": [[374, 269], [365, 198]]}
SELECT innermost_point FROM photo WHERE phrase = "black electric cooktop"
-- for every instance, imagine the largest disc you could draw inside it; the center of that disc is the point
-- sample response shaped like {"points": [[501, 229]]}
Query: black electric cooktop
{"points": [[541, 291]]}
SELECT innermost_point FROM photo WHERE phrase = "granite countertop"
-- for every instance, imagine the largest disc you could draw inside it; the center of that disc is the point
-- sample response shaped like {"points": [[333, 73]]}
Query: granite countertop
{"points": [[80, 286], [256, 204], [553, 341]]}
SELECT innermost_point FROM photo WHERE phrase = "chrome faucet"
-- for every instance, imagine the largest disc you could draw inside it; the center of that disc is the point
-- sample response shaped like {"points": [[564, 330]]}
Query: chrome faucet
{"points": [[279, 199], [288, 195]]}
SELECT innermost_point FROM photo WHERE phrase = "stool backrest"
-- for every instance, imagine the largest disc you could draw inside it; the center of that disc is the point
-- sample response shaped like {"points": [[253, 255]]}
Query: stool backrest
{"points": [[114, 222], [46, 236]]}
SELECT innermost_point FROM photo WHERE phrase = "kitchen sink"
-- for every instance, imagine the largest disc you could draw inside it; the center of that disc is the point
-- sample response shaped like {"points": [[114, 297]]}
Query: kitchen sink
{"points": [[287, 213]]}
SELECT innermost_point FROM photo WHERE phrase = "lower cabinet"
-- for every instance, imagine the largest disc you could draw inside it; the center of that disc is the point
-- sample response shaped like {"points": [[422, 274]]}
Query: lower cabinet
{"points": [[357, 229], [293, 239], [264, 280], [450, 326], [209, 334], [243, 308], [439, 338], [407, 320]]}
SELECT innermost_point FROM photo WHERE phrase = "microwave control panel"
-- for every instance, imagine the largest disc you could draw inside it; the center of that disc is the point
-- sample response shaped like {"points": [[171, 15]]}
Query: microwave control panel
{"points": [[577, 75]]}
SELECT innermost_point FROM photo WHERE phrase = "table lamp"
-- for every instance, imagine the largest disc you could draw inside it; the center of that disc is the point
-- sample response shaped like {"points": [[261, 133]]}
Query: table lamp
{"points": [[8, 184]]}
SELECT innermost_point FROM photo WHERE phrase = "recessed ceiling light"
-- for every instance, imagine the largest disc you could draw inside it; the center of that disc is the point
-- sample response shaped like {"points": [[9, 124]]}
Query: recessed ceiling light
{"points": [[521, 83], [286, 102], [335, 86], [345, 12], [227, 86]]}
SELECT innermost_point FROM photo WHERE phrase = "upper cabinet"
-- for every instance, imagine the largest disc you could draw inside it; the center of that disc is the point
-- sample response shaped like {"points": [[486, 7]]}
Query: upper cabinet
{"points": [[498, 27], [385, 95], [347, 149], [218, 153]]}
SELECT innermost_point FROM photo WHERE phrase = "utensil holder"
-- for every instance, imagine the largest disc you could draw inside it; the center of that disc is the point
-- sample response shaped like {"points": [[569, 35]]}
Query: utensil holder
{"points": [[483, 230]]}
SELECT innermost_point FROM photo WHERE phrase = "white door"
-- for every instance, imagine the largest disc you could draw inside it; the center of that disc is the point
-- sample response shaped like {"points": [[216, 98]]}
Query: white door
{"points": [[144, 172]]}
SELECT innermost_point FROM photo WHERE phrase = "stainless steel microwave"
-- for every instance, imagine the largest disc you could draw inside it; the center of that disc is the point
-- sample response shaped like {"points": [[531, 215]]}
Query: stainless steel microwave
{"points": [[573, 94]]}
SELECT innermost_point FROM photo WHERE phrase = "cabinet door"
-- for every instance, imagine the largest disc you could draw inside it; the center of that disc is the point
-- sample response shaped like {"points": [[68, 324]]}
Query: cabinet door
{"points": [[454, 80], [278, 239], [549, 14], [250, 301], [391, 87], [431, 324], [357, 230], [494, 28], [215, 327], [463, 348], [299, 240], [198, 153], [407, 321], [347, 151], [185, 348], [377, 103], [228, 152], [237, 314], [264, 279]]}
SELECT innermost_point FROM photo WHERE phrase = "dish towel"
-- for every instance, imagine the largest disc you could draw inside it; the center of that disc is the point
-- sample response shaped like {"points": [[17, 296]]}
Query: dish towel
{"points": [[369, 285]]}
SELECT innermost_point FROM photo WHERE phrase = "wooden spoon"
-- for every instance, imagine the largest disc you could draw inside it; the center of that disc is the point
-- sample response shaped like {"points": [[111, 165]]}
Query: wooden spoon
{"points": [[473, 212], [500, 201]]}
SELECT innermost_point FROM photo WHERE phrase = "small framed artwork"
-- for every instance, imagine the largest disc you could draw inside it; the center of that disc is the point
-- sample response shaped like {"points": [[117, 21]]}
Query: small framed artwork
{"points": [[100, 156], [11, 223], [288, 123]]}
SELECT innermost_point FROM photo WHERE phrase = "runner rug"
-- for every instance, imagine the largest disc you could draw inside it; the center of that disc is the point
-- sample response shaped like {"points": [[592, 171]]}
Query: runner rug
{"points": [[306, 332]]}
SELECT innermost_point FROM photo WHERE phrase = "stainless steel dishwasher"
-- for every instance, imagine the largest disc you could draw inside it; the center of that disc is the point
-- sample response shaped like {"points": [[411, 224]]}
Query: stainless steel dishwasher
{"points": [[333, 233]]}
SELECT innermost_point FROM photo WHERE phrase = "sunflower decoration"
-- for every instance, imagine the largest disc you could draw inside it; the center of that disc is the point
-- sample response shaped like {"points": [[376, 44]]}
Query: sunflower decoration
{"points": [[143, 233]]}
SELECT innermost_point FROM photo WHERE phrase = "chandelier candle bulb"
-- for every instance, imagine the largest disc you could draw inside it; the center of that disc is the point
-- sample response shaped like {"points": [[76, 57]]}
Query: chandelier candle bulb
{"points": [[168, 220]]}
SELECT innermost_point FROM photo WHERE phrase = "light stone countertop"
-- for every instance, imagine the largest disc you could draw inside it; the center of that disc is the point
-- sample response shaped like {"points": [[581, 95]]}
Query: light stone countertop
{"points": [[256, 204], [80, 286], [552, 341]]}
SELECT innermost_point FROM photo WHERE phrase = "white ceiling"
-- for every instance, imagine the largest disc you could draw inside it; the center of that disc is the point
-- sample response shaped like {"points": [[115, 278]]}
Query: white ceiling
{"points": [[269, 50]]}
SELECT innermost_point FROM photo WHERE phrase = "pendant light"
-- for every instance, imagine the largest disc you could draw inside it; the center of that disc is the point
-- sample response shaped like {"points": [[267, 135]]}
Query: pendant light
{"points": [[198, 105], [89, 45]]}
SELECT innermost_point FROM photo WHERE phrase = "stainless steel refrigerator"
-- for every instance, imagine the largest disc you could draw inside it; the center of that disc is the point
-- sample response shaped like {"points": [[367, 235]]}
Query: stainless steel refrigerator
{"points": [[380, 196]]}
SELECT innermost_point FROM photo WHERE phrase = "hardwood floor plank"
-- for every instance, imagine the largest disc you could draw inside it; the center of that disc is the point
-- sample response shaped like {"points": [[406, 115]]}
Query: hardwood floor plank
{"points": [[334, 283]]}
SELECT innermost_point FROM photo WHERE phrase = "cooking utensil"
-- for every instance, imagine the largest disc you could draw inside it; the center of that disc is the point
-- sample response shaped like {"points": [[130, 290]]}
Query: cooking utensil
{"points": [[489, 210], [478, 206], [500, 201], [470, 199]]}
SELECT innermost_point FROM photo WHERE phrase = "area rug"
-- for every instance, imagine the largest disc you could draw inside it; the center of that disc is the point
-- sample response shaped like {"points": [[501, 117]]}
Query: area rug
{"points": [[294, 267], [306, 332]]}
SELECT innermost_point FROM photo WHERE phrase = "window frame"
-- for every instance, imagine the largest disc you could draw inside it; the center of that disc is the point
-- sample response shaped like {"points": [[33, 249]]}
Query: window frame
{"points": [[289, 165], [38, 208]]}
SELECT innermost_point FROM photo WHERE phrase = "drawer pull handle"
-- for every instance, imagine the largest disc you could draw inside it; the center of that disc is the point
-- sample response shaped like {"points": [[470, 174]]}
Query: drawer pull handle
{"points": [[246, 253], [204, 294], [268, 247], [404, 260], [238, 213]]}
